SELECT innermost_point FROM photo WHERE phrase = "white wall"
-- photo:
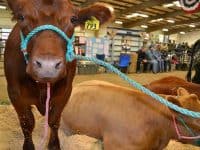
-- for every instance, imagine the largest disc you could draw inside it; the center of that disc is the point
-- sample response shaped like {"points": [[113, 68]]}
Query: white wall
{"points": [[189, 37], [175, 37]]}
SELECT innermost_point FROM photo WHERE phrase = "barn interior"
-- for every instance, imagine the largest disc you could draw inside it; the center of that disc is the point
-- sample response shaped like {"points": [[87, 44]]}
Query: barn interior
{"points": [[166, 25]]}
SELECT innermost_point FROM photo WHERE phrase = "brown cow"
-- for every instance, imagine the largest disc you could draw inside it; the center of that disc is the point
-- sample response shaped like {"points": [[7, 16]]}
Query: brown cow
{"points": [[169, 85], [47, 62], [126, 119]]}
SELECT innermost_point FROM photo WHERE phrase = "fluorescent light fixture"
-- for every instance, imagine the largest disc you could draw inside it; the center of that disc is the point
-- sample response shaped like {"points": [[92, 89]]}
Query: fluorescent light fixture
{"points": [[160, 19], [132, 15], [2, 7], [129, 16], [171, 21], [144, 26], [168, 5], [143, 15], [177, 4], [156, 20], [192, 26], [152, 21], [165, 30], [182, 32], [118, 22], [137, 15]]}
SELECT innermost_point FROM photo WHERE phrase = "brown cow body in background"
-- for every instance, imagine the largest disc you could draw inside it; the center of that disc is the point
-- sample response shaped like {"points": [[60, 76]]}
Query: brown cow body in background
{"points": [[47, 62], [126, 119], [169, 85]]}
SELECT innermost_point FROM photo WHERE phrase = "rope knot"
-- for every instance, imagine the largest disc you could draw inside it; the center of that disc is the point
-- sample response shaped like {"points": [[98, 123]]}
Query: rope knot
{"points": [[70, 50], [25, 53], [70, 56]]}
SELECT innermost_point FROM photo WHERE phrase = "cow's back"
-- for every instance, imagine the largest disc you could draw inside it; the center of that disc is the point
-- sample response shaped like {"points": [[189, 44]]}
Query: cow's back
{"points": [[169, 86], [96, 107]]}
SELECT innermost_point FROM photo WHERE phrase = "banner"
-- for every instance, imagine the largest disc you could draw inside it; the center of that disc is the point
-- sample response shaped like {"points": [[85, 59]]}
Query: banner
{"points": [[190, 6]]}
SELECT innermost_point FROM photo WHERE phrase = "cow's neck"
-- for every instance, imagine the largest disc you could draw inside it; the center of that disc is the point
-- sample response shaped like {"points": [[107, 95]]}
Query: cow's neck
{"points": [[170, 128]]}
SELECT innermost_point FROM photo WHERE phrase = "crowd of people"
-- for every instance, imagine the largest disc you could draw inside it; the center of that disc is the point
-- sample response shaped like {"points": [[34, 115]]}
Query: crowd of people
{"points": [[160, 57]]}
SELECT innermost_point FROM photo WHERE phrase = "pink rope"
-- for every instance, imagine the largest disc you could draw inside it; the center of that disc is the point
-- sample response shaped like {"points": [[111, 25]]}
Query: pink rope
{"points": [[46, 118], [179, 134]]}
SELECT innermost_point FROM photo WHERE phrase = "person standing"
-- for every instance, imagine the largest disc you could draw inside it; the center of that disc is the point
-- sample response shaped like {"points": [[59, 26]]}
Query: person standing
{"points": [[151, 59], [157, 54], [165, 57]]}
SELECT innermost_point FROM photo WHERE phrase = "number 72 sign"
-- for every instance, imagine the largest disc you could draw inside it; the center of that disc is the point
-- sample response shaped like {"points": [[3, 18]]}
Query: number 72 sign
{"points": [[92, 24]]}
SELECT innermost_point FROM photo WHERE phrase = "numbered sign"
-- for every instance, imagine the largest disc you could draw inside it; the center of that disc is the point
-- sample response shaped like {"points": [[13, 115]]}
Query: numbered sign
{"points": [[92, 24]]}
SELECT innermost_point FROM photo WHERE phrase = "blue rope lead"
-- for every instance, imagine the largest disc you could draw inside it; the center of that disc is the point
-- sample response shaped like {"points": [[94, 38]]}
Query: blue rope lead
{"points": [[140, 87]]}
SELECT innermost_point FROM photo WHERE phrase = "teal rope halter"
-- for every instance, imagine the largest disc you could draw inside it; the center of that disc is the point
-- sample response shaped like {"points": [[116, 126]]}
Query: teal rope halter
{"points": [[24, 41], [197, 141], [70, 56], [186, 126]]}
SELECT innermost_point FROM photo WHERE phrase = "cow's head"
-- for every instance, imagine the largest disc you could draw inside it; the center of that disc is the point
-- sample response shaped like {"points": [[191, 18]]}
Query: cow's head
{"points": [[46, 50], [190, 102]]}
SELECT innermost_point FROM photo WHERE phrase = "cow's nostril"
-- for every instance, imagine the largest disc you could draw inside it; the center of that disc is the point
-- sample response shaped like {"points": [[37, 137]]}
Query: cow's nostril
{"points": [[39, 65], [57, 66]]}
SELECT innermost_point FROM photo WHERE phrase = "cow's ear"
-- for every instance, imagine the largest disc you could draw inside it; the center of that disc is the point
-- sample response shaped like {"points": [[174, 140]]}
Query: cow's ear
{"points": [[174, 100], [15, 5], [102, 12], [182, 92]]}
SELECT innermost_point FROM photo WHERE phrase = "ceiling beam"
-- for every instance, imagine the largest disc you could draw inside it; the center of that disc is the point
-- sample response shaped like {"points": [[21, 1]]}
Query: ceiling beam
{"points": [[144, 5], [159, 27], [89, 2], [5, 14], [185, 29], [3, 3], [146, 20]]}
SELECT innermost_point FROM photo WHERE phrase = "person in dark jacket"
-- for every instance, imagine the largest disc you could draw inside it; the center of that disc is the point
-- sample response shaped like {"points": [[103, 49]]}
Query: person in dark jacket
{"points": [[165, 57], [141, 58]]}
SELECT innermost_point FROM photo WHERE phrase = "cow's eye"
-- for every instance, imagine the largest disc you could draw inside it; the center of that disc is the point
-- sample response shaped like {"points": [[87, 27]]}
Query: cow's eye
{"points": [[74, 19], [20, 17]]}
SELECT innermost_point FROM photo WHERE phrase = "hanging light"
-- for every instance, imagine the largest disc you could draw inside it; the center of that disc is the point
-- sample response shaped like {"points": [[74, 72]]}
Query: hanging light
{"points": [[171, 21], [192, 26], [137, 15], [144, 26], [165, 30], [2, 7], [118, 22], [168, 5], [182, 32]]}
